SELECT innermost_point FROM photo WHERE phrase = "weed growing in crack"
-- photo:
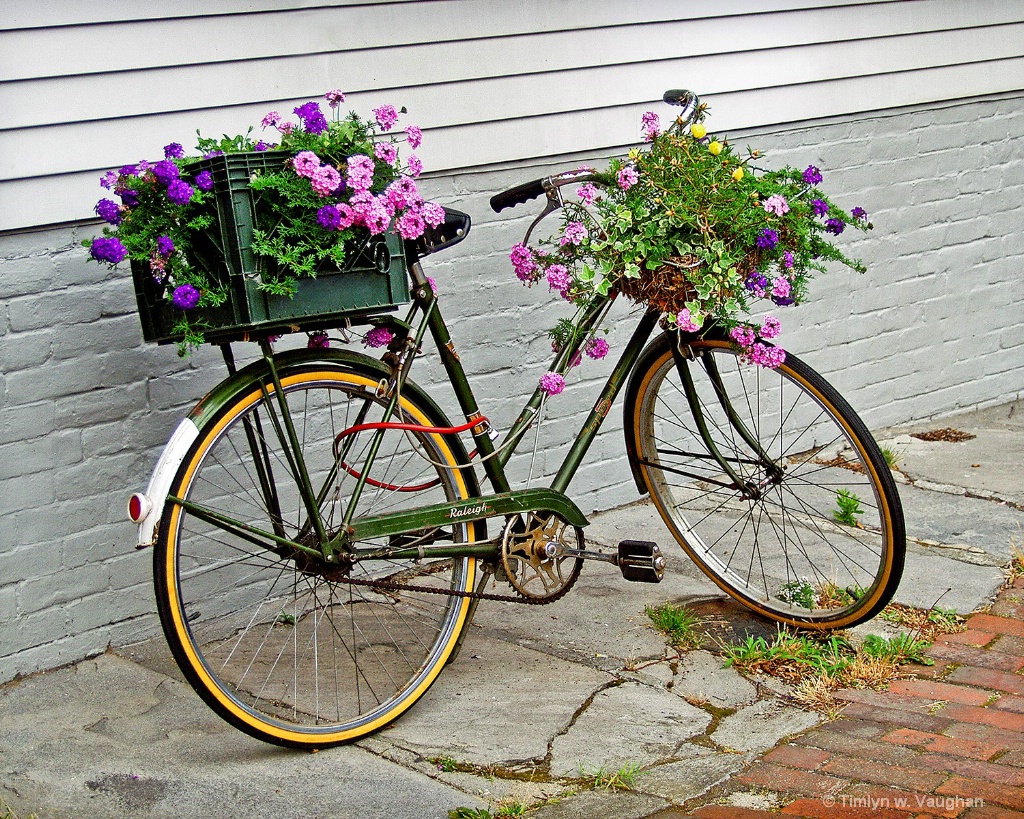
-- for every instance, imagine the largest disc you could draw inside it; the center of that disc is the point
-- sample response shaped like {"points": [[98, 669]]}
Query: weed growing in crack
{"points": [[623, 779], [847, 508], [681, 626]]}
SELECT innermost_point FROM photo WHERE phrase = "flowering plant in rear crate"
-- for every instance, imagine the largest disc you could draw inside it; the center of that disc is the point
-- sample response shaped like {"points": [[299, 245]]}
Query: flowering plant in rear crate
{"points": [[342, 179], [691, 226]]}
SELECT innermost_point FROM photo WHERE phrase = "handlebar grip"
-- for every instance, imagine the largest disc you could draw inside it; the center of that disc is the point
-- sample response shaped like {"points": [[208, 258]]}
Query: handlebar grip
{"points": [[517, 195]]}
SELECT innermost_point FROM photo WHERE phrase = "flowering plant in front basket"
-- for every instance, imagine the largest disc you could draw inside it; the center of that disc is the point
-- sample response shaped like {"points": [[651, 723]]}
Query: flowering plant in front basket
{"points": [[694, 228], [343, 177]]}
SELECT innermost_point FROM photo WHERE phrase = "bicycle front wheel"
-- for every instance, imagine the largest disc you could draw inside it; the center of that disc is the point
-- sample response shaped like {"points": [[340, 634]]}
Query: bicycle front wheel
{"points": [[282, 646], [784, 499]]}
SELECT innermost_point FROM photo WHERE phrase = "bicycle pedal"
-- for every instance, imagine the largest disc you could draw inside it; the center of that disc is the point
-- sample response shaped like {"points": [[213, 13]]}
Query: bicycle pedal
{"points": [[641, 561]]}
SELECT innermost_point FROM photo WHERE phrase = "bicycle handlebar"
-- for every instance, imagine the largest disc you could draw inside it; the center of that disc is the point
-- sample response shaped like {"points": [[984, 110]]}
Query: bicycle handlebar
{"points": [[517, 195]]}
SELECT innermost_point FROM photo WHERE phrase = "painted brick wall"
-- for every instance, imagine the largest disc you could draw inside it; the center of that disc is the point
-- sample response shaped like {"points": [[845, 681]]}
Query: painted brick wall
{"points": [[935, 326]]}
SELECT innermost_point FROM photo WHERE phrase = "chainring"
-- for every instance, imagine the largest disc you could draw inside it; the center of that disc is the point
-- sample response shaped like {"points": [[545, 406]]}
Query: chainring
{"points": [[533, 555]]}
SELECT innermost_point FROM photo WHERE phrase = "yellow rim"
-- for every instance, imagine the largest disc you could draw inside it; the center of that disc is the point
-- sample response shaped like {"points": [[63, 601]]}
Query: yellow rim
{"points": [[263, 725], [883, 504]]}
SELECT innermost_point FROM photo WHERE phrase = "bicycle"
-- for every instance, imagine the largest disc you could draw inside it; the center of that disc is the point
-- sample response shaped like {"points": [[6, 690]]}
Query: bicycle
{"points": [[321, 533]]}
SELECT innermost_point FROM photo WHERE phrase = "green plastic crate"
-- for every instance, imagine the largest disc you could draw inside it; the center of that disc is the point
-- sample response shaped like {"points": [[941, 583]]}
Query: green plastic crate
{"points": [[373, 280]]}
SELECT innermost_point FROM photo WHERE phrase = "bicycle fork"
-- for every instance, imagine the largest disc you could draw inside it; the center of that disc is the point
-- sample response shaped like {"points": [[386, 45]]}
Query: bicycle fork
{"points": [[773, 469]]}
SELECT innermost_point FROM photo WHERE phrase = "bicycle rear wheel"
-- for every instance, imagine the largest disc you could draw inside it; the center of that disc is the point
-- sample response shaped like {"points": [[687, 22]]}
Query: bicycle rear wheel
{"points": [[284, 647], [811, 534]]}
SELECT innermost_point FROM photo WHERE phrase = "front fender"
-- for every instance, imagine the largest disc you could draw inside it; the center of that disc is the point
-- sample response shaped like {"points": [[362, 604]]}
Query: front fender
{"points": [[145, 508]]}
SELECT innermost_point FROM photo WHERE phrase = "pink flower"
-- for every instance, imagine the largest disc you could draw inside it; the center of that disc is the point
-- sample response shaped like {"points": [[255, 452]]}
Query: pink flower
{"points": [[433, 214], [522, 262], [627, 177], [776, 204], [558, 279], [596, 348], [306, 163], [359, 172], [411, 225], [780, 287], [385, 151], [433, 285], [334, 98], [325, 180], [651, 125], [415, 166], [770, 327], [587, 193], [575, 233], [743, 336], [552, 383], [378, 337], [347, 216], [414, 136], [386, 116], [685, 321], [286, 127], [765, 356], [271, 120]]}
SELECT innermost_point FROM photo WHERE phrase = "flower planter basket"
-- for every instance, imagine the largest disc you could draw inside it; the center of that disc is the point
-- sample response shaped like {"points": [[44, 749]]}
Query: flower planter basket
{"points": [[373, 280]]}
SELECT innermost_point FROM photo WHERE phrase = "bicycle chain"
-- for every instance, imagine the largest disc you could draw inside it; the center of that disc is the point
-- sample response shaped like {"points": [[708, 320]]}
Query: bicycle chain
{"points": [[388, 585]]}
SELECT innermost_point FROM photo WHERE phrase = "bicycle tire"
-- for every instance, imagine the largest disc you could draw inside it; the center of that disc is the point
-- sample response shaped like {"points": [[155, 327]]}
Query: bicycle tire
{"points": [[785, 547], [289, 653]]}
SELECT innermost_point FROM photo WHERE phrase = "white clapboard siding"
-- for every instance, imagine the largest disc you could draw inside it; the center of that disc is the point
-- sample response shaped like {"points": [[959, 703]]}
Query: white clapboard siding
{"points": [[96, 96], [488, 86]]}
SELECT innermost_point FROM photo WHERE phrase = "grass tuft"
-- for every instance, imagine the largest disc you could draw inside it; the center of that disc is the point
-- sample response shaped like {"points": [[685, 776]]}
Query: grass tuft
{"points": [[623, 779], [681, 626]]}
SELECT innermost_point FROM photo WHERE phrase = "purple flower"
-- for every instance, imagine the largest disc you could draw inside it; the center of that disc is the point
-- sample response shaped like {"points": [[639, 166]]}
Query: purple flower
{"points": [[335, 98], [174, 151], [768, 239], [108, 250], [129, 170], [787, 258], [812, 175], [859, 214], [596, 348], [757, 283], [835, 226], [129, 198], [264, 146], [109, 211], [329, 217], [185, 297], [109, 180], [414, 136], [378, 337], [552, 383], [164, 245], [204, 181], [212, 154], [312, 117], [318, 341], [166, 172], [386, 116], [179, 192], [820, 207]]}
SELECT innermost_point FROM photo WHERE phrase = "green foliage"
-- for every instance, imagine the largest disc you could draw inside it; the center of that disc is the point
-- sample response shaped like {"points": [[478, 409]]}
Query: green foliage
{"points": [[847, 508], [678, 624], [793, 653], [623, 779], [470, 813], [902, 648]]}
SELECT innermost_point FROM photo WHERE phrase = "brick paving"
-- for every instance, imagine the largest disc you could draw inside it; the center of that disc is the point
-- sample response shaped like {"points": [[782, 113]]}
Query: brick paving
{"points": [[948, 743]]}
